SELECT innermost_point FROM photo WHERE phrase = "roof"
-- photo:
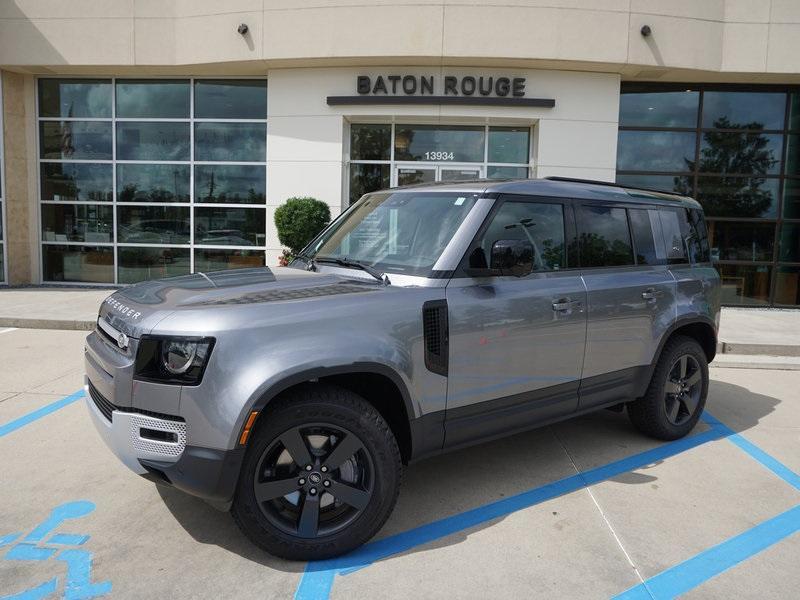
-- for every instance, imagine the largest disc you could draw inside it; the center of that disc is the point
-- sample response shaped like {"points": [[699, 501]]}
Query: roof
{"points": [[560, 188]]}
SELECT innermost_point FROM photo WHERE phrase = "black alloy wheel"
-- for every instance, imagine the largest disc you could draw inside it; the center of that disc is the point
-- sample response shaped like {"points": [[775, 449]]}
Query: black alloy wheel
{"points": [[676, 395], [320, 476], [314, 480], [682, 389]]}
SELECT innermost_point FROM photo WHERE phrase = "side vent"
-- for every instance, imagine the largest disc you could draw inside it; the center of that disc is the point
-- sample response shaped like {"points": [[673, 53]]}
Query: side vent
{"points": [[435, 329]]}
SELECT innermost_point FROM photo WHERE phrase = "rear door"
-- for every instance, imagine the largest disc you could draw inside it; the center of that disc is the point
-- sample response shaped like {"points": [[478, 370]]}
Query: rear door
{"points": [[631, 297], [516, 343]]}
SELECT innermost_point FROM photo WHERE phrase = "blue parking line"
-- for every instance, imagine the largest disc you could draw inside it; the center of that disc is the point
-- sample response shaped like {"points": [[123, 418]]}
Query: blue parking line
{"points": [[39, 413], [754, 451], [691, 573], [318, 577]]}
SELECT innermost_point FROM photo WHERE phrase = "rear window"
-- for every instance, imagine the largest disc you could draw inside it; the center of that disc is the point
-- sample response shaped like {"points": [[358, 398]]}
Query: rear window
{"points": [[604, 239]]}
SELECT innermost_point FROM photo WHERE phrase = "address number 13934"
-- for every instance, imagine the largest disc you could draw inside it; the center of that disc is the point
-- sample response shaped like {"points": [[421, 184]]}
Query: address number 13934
{"points": [[439, 155]]}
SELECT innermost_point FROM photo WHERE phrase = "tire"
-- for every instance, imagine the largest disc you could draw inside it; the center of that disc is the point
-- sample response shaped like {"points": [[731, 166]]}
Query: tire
{"points": [[672, 404], [278, 494]]}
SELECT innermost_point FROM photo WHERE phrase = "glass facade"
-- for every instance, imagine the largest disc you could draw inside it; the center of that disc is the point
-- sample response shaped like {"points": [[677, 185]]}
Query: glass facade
{"points": [[147, 178], [385, 155], [736, 149]]}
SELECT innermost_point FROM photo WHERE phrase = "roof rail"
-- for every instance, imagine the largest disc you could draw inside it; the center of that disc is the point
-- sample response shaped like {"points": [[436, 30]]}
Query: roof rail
{"points": [[612, 184]]}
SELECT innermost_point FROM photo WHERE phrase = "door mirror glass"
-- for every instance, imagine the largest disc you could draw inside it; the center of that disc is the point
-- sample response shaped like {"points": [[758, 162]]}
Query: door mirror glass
{"points": [[512, 257]]}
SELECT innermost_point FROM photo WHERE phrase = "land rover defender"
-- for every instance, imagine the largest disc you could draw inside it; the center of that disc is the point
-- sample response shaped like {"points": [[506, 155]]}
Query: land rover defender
{"points": [[422, 320]]}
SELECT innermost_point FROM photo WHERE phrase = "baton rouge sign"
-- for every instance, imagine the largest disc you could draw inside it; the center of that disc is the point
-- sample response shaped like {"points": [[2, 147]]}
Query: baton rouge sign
{"points": [[422, 89]]}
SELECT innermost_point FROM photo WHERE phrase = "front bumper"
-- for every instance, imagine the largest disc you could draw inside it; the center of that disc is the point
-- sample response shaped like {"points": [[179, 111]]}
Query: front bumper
{"points": [[156, 448], [132, 436]]}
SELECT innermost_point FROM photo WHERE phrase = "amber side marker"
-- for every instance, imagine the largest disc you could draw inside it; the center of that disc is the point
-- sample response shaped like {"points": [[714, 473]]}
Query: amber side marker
{"points": [[247, 426]]}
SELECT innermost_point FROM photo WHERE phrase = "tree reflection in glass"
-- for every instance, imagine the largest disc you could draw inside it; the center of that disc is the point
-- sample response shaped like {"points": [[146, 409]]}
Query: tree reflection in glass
{"points": [[740, 160]]}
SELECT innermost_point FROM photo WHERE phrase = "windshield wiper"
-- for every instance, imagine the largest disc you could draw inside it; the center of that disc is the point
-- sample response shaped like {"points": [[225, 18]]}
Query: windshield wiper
{"points": [[346, 262]]}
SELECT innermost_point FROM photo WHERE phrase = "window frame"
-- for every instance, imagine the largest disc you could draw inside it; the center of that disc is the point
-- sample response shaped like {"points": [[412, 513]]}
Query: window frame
{"points": [[464, 271], [113, 120]]}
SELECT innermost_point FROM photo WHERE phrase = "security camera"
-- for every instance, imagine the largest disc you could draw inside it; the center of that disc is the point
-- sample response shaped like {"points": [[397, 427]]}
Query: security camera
{"points": [[243, 29], [645, 30]]}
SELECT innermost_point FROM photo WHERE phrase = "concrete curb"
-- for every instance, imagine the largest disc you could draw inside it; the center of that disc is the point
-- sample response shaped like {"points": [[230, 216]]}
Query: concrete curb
{"points": [[743, 361], [759, 349], [69, 325]]}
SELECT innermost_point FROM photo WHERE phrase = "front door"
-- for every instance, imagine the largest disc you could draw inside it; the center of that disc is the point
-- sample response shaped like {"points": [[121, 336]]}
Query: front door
{"points": [[516, 343], [411, 173]]}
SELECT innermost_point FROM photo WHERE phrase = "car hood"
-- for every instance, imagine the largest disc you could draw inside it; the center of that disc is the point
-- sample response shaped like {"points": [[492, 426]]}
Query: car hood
{"points": [[137, 309]]}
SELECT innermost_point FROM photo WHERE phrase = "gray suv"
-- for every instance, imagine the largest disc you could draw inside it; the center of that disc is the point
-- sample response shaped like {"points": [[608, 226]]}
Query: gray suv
{"points": [[422, 320]]}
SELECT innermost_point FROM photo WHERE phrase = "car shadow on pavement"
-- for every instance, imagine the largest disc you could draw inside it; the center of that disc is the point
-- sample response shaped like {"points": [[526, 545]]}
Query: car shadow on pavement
{"points": [[207, 525], [465, 479]]}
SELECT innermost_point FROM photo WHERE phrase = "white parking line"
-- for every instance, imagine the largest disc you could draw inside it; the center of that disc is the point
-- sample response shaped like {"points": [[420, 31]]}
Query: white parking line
{"points": [[7, 329], [602, 514]]}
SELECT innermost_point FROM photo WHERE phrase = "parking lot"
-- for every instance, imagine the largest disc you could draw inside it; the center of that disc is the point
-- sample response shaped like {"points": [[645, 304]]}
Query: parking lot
{"points": [[584, 509]]}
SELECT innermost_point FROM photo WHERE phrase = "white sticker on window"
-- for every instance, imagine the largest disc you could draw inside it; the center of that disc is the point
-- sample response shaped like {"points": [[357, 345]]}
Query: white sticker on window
{"points": [[460, 200]]}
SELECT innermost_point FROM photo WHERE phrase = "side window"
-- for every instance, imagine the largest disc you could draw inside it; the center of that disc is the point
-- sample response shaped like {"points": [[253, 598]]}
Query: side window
{"points": [[698, 245], [646, 229], [603, 237], [675, 227], [540, 224]]}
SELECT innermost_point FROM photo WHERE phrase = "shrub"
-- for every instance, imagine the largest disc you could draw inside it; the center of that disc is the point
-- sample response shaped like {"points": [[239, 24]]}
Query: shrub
{"points": [[299, 220]]}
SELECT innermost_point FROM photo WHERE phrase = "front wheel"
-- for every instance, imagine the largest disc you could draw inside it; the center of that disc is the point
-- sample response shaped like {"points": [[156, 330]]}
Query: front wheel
{"points": [[320, 477], [677, 392]]}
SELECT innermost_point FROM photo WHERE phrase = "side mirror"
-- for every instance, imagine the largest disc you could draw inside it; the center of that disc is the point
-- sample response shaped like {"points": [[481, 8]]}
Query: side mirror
{"points": [[512, 257]]}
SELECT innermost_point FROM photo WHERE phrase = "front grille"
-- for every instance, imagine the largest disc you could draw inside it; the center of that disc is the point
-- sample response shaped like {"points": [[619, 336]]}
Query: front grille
{"points": [[100, 401], [106, 407]]}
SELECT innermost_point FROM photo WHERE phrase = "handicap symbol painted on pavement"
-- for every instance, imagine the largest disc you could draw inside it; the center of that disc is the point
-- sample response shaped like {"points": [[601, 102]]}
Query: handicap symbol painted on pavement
{"points": [[40, 545]]}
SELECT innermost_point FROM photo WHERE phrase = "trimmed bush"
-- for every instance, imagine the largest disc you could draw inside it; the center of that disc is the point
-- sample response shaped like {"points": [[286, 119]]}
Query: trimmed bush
{"points": [[298, 220]]}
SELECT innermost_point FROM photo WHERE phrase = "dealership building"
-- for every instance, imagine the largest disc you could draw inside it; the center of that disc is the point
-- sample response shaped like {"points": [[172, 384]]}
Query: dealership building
{"points": [[147, 138]]}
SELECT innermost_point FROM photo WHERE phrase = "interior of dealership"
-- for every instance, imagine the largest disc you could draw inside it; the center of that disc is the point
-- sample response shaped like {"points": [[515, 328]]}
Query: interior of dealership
{"points": [[144, 178]]}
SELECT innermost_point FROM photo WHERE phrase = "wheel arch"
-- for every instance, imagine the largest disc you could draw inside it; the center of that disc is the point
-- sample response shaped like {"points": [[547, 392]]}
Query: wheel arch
{"points": [[699, 327], [379, 384]]}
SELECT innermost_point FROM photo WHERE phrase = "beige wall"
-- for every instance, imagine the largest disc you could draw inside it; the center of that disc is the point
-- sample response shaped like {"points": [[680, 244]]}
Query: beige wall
{"points": [[20, 185], [721, 39]]}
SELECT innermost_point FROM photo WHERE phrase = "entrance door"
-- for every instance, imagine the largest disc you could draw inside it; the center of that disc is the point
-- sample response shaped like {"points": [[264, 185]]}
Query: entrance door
{"points": [[409, 174]]}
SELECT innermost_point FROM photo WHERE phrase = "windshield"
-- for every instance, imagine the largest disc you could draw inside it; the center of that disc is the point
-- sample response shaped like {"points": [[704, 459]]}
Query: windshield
{"points": [[400, 232]]}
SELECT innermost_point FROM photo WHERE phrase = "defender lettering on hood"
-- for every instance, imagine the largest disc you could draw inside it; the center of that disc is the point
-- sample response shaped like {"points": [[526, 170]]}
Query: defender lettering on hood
{"points": [[123, 309]]}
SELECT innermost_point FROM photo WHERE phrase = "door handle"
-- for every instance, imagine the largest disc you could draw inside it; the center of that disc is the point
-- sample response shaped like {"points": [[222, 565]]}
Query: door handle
{"points": [[565, 304], [650, 294]]}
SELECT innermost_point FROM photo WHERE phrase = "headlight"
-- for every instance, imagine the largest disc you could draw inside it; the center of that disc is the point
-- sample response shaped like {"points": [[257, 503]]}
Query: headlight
{"points": [[178, 355], [179, 360]]}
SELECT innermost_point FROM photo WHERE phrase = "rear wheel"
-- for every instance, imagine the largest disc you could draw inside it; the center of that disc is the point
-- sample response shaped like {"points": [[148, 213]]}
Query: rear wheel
{"points": [[677, 392], [320, 477]]}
